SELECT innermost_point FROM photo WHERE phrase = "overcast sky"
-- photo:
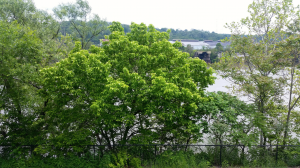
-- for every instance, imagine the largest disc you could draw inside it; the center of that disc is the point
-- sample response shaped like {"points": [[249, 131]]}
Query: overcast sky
{"points": [[209, 15]]}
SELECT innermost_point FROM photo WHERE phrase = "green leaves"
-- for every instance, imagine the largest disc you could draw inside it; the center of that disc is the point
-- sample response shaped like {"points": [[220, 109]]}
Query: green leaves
{"points": [[139, 87], [258, 61], [73, 85], [116, 27], [20, 58], [84, 25], [230, 120]]}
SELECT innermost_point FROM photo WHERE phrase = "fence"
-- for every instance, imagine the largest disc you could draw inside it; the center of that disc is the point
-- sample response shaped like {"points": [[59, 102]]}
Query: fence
{"points": [[155, 154]]}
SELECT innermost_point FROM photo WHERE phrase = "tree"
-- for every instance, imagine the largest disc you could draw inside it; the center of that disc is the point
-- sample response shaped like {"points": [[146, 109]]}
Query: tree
{"points": [[230, 120], [20, 57], [290, 51], [84, 25], [194, 34], [219, 47], [45, 26], [138, 89], [189, 49], [28, 43], [254, 73]]}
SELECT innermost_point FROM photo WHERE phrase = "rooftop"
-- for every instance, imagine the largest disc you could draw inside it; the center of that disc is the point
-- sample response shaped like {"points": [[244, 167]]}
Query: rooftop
{"points": [[185, 40], [200, 44]]}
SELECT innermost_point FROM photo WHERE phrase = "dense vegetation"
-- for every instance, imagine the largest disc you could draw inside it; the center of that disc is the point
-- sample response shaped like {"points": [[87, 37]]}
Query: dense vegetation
{"points": [[200, 35], [60, 93]]}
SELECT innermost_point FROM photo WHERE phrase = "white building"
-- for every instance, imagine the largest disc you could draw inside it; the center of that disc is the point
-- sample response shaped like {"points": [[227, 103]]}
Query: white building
{"points": [[199, 45]]}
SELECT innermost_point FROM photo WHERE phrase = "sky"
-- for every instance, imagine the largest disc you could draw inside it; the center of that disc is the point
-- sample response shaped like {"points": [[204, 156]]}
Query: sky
{"points": [[208, 15]]}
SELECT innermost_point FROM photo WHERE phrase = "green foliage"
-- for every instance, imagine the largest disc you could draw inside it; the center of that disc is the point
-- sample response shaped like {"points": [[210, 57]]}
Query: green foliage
{"points": [[289, 49], [66, 28], [26, 14], [123, 159], [20, 59], [82, 24], [204, 164], [229, 120], [219, 47], [35, 162], [119, 160], [176, 159], [28, 43], [216, 51], [43, 24], [119, 87], [205, 157], [225, 164], [214, 56], [188, 49], [256, 71], [76, 82], [194, 34]]}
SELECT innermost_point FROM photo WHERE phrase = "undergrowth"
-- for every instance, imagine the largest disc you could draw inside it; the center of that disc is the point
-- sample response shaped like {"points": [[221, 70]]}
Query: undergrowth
{"points": [[164, 159]]}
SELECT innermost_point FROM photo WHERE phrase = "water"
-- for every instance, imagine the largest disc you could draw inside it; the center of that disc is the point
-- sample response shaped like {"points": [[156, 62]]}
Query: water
{"points": [[221, 84]]}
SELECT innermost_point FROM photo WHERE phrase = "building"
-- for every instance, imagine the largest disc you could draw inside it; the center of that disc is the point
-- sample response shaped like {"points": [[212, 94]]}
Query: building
{"points": [[213, 44], [196, 44], [199, 45], [204, 55]]}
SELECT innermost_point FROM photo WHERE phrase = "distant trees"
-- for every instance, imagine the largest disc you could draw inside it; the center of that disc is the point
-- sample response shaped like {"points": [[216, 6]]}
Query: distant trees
{"points": [[194, 34], [189, 49], [66, 27], [219, 47], [84, 25], [216, 51]]}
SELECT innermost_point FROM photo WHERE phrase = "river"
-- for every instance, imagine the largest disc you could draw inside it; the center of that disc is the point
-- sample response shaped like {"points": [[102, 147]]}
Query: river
{"points": [[220, 85]]}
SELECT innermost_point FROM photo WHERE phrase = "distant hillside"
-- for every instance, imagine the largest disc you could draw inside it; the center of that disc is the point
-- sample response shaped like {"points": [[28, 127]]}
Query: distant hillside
{"points": [[194, 34], [175, 34]]}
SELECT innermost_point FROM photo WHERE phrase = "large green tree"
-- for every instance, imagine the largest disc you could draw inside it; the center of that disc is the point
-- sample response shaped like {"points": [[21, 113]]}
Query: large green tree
{"points": [[138, 89]]}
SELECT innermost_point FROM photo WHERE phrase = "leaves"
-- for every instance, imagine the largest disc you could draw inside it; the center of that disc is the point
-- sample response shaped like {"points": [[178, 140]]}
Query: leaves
{"points": [[20, 58], [84, 25], [138, 88], [257, 63]]}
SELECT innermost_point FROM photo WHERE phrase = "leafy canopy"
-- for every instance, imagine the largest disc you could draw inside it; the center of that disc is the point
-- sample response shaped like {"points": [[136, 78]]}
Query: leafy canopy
{"points": [[138, 89]]}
